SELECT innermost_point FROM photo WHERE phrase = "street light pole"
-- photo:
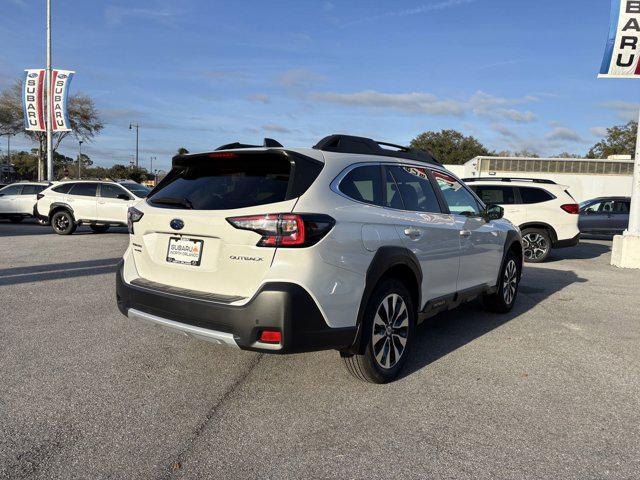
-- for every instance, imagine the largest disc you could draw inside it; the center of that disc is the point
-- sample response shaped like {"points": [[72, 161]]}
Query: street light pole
{"points": [[79, 158], [131, 125], [48, 87]]}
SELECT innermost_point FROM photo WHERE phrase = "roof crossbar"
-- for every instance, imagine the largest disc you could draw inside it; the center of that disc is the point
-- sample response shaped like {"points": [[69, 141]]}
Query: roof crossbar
{"points": [[509, 179]]}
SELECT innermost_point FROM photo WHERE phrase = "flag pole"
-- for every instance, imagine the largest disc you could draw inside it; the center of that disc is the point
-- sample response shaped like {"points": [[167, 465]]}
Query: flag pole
{"points": [[48, 87]]}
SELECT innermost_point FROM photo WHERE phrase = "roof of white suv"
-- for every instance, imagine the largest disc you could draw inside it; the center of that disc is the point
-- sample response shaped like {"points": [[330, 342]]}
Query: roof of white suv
{"points": [[529, 182]]}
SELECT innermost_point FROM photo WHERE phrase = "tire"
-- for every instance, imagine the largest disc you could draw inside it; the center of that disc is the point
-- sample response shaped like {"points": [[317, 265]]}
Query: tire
{"points": [[536, 245], [16, 219], [63, 222], [99, 228], [503, 300], [384, 355]]}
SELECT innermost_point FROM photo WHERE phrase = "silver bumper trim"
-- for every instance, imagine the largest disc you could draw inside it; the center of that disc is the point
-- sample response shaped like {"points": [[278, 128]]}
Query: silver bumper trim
{"points": [[213, 336]]}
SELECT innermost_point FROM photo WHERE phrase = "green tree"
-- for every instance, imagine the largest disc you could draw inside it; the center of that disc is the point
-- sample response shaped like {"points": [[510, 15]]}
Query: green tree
{"points": [[450, 146], [525, 152], [620, 140], [25, 164], [182, 151]]}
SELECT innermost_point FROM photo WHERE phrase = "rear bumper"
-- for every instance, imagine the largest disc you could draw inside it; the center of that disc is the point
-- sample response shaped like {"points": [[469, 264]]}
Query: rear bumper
{"points": [[285, 307], [571, 242]]}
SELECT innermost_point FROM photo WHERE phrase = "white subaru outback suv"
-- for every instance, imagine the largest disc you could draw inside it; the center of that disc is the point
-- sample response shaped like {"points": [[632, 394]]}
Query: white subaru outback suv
{"points": [[17, 201], [99, 204], [347, 245], [545, 212]]}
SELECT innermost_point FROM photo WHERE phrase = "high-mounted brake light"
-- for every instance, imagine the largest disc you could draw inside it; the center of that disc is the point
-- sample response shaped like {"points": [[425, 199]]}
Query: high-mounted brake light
{"points": [[572, 208], [222, 155], [284, 229]]}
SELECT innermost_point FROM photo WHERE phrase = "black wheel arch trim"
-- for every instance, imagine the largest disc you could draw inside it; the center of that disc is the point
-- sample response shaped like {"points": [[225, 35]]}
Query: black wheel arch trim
{"points": [[546, 226], [383, 261], [511, 239], [60, 205]]}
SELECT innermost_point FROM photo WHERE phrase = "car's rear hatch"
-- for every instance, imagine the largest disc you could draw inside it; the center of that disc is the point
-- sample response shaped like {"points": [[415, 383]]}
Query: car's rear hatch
{"points": [[184, 240]]}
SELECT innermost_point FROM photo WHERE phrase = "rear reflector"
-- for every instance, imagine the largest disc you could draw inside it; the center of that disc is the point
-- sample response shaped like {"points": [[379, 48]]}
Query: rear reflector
{"points": [[269, 336], [572, 208]]}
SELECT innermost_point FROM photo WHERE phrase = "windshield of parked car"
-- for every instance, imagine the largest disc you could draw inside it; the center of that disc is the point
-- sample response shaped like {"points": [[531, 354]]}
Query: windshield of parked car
{"points": [[137, 189]]}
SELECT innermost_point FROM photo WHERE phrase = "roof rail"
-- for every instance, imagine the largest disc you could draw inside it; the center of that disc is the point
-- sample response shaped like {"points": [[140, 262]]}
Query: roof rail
{"points": [[367, 146], [267, 143], [509, 179]]}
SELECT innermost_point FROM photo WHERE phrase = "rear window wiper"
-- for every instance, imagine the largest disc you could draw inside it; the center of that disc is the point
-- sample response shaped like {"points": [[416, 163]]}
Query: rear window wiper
{"points": [[178, 201]]}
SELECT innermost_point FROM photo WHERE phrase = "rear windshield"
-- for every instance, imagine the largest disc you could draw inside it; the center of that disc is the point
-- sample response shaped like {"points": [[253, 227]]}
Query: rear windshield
{"points": [[225, 183], [137, 189]]}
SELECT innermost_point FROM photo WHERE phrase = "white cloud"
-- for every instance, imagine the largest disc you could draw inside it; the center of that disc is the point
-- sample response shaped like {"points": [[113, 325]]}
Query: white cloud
{"points": [[299, 78], [626, 111], [259, 97], [480, 103], [275, 128], [115, 15], [430, 7], [598, 131], [564, 134]]}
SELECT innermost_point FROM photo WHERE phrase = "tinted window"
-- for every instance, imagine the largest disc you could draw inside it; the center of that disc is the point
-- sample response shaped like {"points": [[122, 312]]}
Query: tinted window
{"points": [[495, 194], [459, 199], [225, 183], [621, 207], [11, 190], [137, 189], [84, 189], [64, 188], [363, 184], [32, 189], [534, 195], [415, 189], [111, 191], [393, 198]]}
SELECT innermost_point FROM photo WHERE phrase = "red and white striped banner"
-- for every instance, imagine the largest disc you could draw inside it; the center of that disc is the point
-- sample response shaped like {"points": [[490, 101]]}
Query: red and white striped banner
{"points": [[33, 100]]}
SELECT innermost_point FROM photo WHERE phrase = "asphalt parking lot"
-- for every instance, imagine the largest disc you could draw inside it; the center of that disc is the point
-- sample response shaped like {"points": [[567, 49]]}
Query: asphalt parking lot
{"points": [[551, 390]]}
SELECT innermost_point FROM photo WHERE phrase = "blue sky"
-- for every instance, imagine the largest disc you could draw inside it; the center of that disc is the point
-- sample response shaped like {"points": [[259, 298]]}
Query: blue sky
{"points": [[515, 74]]}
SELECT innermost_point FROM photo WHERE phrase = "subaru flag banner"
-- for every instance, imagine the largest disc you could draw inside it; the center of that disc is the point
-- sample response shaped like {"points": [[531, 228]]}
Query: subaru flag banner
{"points": [[33, 100], [622, 53], [60, 80]]}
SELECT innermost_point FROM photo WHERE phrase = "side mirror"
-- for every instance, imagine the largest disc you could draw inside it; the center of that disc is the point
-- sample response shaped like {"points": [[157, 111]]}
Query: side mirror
{"points": [[493, 212], [124, 196]]}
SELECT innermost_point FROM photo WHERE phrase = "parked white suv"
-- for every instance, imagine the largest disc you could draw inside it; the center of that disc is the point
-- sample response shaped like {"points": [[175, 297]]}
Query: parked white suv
{"points": [[99, 204], [17, 201], [346, 246], [545, 212]]}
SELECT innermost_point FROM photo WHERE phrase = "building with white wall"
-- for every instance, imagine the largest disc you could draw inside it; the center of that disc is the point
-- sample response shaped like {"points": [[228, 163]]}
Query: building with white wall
{"points": [[586, 178]]}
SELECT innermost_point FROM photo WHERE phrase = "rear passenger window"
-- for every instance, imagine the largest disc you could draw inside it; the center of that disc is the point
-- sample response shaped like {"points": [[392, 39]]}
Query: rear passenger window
{"points": [[534, 195], [84, 189], [64, 188], [363, 184], [31, 189], [622, 207], [495, 194], [414, 188]]}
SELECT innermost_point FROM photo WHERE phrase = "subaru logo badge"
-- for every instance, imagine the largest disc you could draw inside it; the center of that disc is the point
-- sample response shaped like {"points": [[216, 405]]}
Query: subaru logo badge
{"points": [[176, 224], [62, 75], [33, 75]]}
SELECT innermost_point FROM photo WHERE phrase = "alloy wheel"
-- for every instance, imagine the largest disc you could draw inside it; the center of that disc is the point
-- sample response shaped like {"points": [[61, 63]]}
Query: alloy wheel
{"points": [[62, 222], [535, 246], [390, 331], [510, 282]]}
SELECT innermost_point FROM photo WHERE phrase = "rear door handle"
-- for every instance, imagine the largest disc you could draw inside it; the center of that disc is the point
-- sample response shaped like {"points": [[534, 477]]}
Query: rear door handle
{"points": [[465, 233], [412, 233]]}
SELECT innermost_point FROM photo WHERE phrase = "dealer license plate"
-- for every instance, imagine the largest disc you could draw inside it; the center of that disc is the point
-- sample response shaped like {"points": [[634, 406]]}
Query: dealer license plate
{"points": [[185, 251]]}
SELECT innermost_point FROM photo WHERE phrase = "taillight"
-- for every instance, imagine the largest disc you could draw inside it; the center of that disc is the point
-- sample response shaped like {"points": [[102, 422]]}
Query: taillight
{"points": [[572, 208], [39, 195], [133, 215], [284, 229]]}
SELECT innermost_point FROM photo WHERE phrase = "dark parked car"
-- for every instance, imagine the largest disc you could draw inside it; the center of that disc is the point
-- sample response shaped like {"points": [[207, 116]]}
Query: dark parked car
{"points": [[606, 215]]}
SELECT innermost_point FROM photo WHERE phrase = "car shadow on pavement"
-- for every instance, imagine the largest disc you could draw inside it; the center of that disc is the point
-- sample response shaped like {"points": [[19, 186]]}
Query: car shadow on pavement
{"points": [[55, 271], [584, 251], [451, 330], [30, 227]]}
